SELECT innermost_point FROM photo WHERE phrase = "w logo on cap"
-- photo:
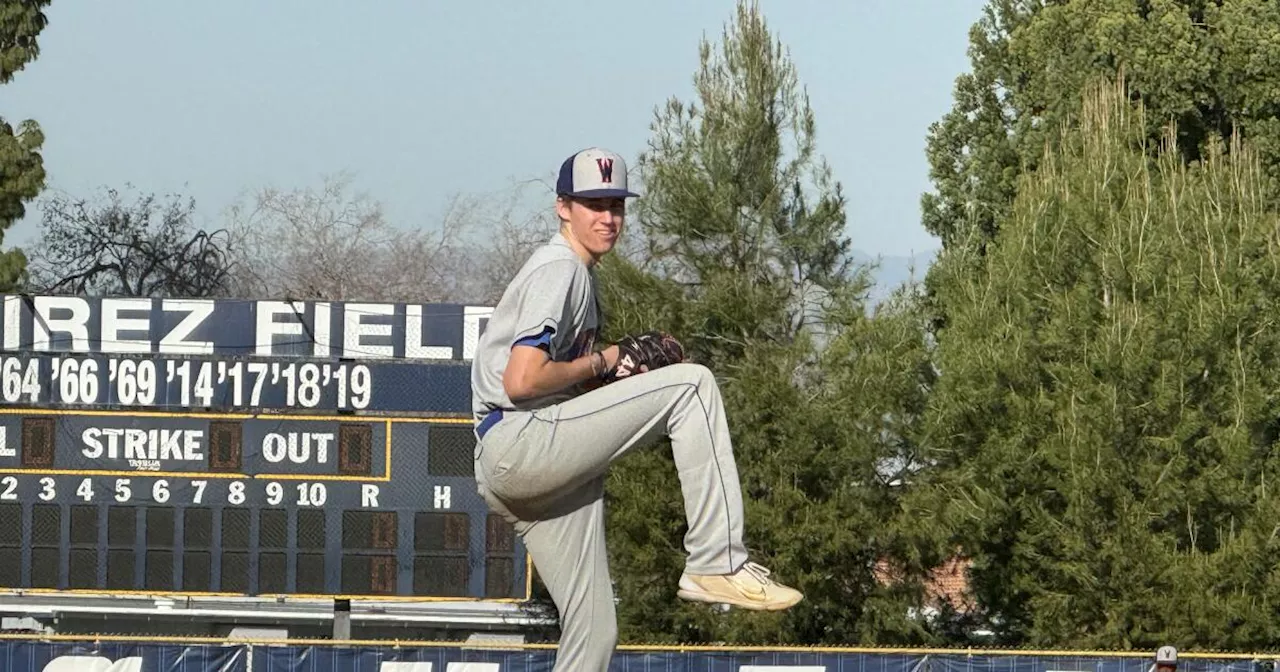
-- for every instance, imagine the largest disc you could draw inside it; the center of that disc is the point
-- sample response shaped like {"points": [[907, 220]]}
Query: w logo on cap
{"points": [[589, 173]]}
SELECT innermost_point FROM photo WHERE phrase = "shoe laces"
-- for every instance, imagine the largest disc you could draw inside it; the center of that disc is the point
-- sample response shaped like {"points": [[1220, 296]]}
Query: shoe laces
{"points": [[757, 572]]}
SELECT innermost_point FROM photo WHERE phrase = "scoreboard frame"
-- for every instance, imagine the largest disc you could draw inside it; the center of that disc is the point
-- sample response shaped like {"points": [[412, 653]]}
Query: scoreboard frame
{"points": [[126, 453]]}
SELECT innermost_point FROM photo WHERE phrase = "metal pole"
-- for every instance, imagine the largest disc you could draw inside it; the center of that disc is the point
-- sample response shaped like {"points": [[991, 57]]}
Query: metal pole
{"points": [[342, 619]]}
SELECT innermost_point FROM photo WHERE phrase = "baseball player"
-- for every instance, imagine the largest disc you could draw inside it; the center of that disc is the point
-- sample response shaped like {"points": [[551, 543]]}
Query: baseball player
{"points": [[553, 411]]}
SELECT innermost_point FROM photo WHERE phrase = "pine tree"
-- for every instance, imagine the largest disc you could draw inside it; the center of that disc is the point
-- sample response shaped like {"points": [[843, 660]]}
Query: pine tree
{"points": [[1103, 431], [742, 255], [1210, 67]]}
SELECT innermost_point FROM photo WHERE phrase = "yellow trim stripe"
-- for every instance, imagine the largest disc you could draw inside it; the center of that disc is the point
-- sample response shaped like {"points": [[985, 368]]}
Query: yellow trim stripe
{"points": [[265, 415], [117, 593], [441, 421], [390, 598], [145, 414], [198, 475], [402, 643], [135, 474], [528, 577], [264, 596]]}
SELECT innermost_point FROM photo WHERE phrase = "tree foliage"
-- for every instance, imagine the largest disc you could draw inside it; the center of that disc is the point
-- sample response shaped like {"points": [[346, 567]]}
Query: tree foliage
{"points": [[1208, 66], [22, 174], [150, 247], [738, 203], [742, 255], [1104, 429]]}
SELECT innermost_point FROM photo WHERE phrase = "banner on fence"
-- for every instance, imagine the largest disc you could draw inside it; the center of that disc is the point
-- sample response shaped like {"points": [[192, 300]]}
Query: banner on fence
{"points": [[31, 656], [431, 659], [21, 656]]}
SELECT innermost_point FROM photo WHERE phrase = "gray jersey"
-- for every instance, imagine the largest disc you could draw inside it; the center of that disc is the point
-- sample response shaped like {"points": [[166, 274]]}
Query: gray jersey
{"points": [[552, 302]]}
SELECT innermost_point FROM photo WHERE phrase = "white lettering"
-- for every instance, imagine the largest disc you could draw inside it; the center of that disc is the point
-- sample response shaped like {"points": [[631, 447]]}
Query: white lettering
{"points": [[368, 494], [472, 315], [113, 445], [273, 447], [175, 342], [5, 449], [93, 664], [322, 440], [86, 489], [449, 667], [143, 447], [133, 325], [782, 668], [136, 443], [268, 328], [353, 329], [168, 441], [443, 496], [413, 347], [313, 494], [191, 445], [76, 325], [113, 324], [297, 446], [322, 326], [93, 447], [12, 326]]}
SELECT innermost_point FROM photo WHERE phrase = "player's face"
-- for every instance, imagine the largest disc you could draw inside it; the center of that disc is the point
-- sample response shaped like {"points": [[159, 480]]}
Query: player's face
{"points": [[596, 223]]}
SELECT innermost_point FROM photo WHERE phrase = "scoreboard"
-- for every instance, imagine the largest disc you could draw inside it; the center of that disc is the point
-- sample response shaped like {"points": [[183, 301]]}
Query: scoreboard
{"points": [[244, 448]]}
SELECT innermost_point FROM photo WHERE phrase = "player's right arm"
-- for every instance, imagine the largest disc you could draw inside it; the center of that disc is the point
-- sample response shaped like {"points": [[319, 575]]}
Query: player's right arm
{"points": [[531, 373]]}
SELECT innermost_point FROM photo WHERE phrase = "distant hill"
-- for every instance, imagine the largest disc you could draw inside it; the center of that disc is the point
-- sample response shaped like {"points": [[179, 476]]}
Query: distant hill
{"points": [[892, 271]]}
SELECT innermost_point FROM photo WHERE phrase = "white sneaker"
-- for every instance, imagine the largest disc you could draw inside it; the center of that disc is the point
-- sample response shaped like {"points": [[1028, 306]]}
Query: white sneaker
{"points": [[749, 588]]}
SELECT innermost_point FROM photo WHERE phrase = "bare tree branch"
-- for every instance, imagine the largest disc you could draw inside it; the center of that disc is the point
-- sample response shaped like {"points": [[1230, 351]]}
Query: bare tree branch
{"points": [[112, 248], [336, 244]]}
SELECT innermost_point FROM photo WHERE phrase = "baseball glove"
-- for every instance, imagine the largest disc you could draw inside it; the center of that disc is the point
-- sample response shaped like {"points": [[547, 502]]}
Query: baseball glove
{"points": [[645, 352]]}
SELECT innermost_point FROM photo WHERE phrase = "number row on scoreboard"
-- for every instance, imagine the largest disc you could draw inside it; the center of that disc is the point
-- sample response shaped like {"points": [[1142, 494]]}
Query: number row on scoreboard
{"points": [[182, 491], [99, 380]]}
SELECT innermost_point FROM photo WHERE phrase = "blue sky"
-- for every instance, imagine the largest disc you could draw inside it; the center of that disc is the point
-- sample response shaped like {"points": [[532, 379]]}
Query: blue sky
{"points": [[422, 99]]}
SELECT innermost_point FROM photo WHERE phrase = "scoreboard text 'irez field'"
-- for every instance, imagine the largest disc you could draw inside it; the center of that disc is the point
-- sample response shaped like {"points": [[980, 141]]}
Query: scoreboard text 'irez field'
{"points": [[262, 328]]}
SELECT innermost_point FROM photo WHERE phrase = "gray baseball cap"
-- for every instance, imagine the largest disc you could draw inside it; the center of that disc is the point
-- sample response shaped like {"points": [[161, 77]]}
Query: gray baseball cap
{"points": [[594, 173]]}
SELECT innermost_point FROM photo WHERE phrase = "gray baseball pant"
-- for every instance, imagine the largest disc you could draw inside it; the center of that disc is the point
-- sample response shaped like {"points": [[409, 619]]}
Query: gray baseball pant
{"points": [[544, 471]]}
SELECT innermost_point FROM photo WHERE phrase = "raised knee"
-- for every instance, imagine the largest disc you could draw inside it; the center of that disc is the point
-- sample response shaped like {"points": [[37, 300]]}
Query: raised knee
{"points": [[697, 374]]}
